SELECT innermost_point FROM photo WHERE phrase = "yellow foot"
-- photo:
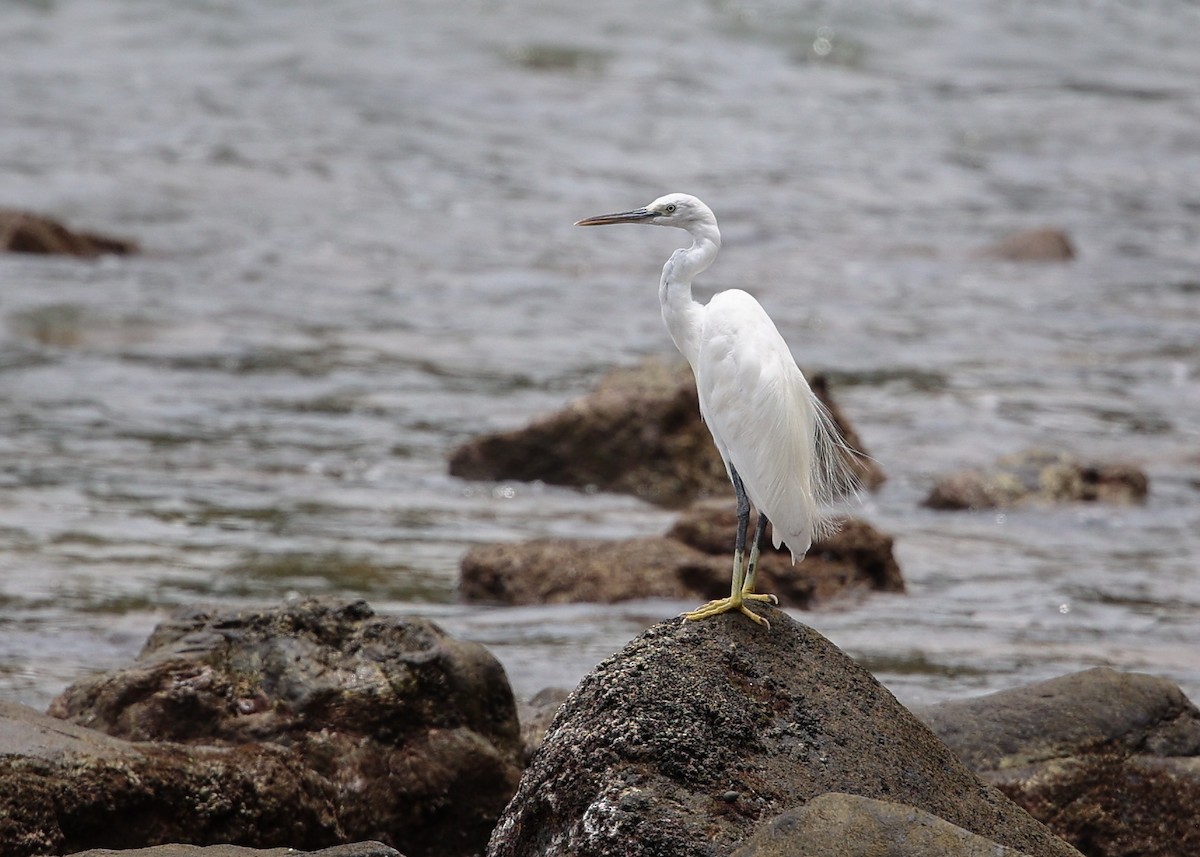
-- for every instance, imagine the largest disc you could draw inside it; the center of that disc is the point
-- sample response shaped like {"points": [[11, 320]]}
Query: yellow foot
{"points": [[726, 605]]}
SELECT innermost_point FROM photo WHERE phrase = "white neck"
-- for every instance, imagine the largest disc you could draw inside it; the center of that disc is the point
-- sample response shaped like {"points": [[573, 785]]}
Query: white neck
{"points": [[682, 314]]}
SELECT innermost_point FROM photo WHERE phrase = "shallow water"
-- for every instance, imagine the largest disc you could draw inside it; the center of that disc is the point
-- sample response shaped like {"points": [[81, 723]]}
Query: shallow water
{"points": [[359, 252]]}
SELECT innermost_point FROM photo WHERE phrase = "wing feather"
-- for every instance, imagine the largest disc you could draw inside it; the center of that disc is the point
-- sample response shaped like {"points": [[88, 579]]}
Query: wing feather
{"points": [[767, 423]]}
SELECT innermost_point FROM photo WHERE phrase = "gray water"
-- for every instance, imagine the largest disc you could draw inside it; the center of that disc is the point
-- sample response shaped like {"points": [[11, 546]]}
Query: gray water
{"points": [[359, 253]]}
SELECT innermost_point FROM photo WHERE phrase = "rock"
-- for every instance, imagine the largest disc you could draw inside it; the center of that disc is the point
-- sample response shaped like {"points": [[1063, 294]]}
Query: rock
{"points": [[22, 232], [639, 432], [1114, 806], [1032, 245], [975, 489], [65, 788], [565, 571], [355, 849], [857, 556], [695, 734], [1039, 476], [1067, 716], [1108, 760], [692, 562], [536, 716], [842, 825], [416, 731]]}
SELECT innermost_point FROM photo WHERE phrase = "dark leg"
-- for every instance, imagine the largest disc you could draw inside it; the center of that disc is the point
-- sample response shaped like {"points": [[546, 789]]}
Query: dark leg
{"points": [[760, 536], [743, 523]]}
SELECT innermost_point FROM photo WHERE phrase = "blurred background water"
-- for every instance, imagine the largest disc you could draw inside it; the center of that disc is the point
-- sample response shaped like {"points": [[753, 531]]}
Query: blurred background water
{"points": [[359, 253]]}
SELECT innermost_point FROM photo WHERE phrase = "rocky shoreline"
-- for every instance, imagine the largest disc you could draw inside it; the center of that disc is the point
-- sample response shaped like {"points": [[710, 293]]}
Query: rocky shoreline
{"points": [[321, 726], [317, 723]]}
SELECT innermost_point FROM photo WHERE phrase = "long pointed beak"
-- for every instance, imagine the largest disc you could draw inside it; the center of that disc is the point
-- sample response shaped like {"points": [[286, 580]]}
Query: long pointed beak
{"points": [[635, 216]]}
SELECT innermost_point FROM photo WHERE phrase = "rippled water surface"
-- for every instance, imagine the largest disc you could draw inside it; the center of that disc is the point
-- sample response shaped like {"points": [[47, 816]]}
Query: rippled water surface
{"points": [[359, 252]]}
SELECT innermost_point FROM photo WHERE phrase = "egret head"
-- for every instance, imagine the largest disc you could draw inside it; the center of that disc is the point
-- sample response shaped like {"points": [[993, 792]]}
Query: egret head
{"points": [[674, 209]]}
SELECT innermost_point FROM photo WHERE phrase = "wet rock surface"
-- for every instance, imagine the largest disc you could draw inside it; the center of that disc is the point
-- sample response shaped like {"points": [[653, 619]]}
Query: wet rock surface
{"points": [[842, 825], [696, 734], [639, 432], [24, 232], [1039, 476], [1108, 760], [693, 561], [413, 731]]}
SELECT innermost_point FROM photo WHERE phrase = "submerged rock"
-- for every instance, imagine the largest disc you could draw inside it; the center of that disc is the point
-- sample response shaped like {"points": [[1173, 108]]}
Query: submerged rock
{"points": [[415, 732], [1110, 761], [639, 432], [1039, 476], [1045, 244], [692, 562], [842, 825], [23, 232], [695, 734]]}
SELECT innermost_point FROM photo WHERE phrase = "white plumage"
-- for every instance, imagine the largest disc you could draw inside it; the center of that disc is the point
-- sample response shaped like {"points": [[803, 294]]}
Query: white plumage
{"points": [[774, 435], [763, 417]]}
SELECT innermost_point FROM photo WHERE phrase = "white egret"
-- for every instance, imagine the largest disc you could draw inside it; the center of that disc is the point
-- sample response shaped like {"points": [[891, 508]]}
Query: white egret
{"points": [[781, 450]]}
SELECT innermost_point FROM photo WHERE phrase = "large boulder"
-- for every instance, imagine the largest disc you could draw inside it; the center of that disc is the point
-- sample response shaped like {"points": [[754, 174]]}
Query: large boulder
{"points": [[1110, 761], [23, 232], [639, 432], [696, 733], [65, 788], [693, 561], [1039, 476], [416, 731]]}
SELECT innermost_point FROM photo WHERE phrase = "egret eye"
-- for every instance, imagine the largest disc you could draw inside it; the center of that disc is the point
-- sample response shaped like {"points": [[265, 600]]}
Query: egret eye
{"points": [[669, 208]]}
